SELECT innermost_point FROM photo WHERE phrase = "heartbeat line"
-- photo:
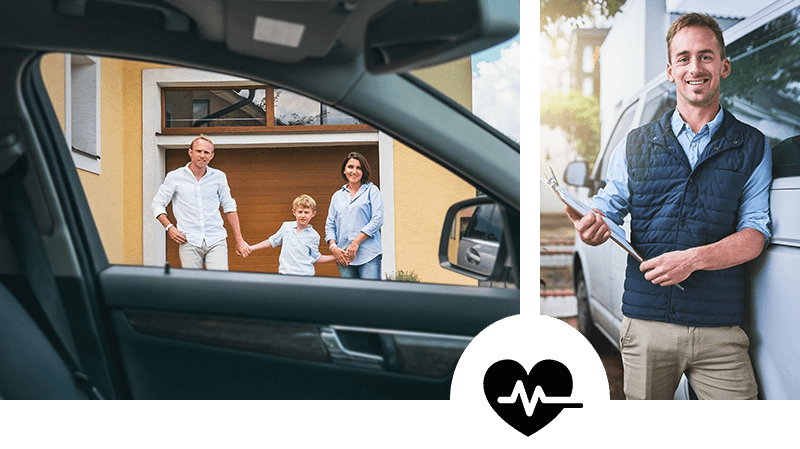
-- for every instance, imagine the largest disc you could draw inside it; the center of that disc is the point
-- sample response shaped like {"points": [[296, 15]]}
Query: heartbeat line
{"points": [[538, 396]]}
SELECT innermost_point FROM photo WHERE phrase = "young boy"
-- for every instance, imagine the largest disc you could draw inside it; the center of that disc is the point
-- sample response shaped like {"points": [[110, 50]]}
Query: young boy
{"points": [[300, 241]]}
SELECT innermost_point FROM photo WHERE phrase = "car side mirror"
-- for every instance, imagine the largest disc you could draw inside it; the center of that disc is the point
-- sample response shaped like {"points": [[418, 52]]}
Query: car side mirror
{"points": [[472, 240], [576, 174]]}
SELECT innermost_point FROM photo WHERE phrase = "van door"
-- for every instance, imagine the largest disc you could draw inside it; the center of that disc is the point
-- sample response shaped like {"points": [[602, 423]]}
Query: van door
{"points": [[659, 100], [762, 91], [602, 262]]}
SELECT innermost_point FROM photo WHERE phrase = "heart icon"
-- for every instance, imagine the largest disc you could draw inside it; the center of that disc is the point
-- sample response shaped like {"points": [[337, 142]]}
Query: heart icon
{"points": [[528, 401]]}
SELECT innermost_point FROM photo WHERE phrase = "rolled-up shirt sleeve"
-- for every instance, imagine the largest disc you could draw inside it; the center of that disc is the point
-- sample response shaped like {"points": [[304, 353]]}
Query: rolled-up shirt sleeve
{"points": [[163, 196], [376, 221], [330, 221], [614, 199], [277, 239], [754, 202], [225, 198]]}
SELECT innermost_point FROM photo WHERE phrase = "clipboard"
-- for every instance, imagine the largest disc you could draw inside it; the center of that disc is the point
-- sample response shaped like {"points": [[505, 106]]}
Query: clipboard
{"points": [[617, 234]]}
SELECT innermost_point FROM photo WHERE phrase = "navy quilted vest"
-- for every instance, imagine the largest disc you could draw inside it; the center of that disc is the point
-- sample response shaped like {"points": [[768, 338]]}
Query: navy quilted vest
{"points": [[674, 208]]}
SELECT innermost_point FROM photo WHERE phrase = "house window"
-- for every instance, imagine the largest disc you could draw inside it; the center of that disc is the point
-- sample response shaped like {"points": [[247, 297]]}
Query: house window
{"points": [[247, 108], [200, 109], [82, 80], [215, 108], [296, 110]]}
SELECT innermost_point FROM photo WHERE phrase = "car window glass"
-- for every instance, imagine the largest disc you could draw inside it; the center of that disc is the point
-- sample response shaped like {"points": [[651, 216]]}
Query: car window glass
{"points": [[763, 88], [624, 125], [486, 223], [124, 145], [659, 100]]}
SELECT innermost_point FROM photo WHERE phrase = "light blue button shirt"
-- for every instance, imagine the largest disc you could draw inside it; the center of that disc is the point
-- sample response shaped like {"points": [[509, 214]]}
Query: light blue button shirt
{"points": [[346, 218], [299, 251], [614, 199], [196, 203]]}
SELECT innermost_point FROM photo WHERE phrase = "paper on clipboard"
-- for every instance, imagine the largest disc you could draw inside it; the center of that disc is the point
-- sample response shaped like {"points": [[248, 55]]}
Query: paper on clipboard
{"points": [[617, 234]]}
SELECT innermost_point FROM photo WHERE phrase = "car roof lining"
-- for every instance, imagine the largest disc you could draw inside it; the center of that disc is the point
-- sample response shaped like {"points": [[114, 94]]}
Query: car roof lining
{"points": [[327, 79]]}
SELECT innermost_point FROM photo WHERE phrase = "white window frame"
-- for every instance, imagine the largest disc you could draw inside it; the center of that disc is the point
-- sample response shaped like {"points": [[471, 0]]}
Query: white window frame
{"points": [[155, 144], [82, 85]]}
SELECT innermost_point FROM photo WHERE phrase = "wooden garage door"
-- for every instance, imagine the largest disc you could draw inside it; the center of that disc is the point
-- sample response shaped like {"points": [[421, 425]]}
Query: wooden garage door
{"points": [[264, 182]]}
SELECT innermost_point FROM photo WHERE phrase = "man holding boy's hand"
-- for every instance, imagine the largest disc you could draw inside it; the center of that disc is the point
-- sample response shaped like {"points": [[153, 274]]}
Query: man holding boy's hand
{"points": [[196, 192]]}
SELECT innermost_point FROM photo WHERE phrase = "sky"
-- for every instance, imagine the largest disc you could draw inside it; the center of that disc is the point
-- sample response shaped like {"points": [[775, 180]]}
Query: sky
{"points": [[495, 87]]}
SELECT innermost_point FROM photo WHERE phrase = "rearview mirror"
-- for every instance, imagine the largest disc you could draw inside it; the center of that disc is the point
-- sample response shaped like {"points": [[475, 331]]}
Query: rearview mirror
{"points": [[412, 34], [472, 240]]}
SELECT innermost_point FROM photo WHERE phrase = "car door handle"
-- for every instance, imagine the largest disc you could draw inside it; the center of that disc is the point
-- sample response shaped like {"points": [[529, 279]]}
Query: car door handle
{"points": [[406, 352], [339, 352], [473, 256]]}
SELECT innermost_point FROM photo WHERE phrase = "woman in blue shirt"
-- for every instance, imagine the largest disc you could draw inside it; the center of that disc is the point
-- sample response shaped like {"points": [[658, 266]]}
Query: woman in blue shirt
{"points": [[355, 217]]}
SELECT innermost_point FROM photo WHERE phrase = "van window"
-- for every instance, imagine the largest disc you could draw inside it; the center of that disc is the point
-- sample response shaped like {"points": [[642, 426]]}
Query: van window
{"points": [[763, 89], [659, 100], [624, 125]]}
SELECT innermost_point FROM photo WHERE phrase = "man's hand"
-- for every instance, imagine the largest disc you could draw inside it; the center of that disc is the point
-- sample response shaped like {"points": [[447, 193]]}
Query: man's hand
{"points": [[592, 229], [669, 268], [674, 267], [176, 235], [242, 248]]}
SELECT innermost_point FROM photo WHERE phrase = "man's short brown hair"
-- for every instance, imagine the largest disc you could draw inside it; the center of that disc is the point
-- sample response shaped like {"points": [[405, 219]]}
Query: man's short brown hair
{"points": [[694, 19]]}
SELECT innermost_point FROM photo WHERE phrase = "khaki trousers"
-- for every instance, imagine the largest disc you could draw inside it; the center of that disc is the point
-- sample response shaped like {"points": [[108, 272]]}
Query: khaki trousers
{"points": [[715, 360], [215, 256]]}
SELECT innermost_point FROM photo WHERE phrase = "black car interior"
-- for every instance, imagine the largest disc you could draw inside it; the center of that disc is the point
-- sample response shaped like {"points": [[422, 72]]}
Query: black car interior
{"points": [[73, 326]]}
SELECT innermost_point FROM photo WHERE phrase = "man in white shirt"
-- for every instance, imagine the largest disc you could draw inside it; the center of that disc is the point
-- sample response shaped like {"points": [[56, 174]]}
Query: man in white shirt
{"points": [[197, 191]]}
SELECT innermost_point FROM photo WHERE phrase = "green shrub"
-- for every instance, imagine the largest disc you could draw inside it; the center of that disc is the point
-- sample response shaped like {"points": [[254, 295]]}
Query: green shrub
{"points": [[403, 276]]}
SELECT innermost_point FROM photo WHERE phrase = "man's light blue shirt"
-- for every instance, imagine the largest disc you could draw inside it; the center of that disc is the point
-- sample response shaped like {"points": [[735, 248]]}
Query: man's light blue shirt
{"points": [[299, 251], [196, 203], [346, 218], [614, 199]]}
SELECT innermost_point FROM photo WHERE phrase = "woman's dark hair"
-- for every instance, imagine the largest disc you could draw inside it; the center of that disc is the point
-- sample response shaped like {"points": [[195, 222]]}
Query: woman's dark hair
{"points": [[365, 170]]}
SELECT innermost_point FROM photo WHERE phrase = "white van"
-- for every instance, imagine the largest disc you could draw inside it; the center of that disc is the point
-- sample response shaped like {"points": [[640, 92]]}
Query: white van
{"points": [[763, 90]]}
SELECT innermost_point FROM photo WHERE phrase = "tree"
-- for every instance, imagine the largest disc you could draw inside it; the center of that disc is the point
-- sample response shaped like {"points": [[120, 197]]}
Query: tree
{"points": [[554, 11], [559, 17], [578, 116]]}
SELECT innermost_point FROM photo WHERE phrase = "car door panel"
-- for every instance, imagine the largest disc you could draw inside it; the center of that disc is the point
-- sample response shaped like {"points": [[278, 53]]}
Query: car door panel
{"points": [[203, 334], [169, 368]]}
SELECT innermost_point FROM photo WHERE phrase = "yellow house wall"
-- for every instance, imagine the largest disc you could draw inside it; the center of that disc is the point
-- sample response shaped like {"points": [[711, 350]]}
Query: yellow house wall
{"points": [[115, 195], [424, 190], [104, 191], [132, 178]]}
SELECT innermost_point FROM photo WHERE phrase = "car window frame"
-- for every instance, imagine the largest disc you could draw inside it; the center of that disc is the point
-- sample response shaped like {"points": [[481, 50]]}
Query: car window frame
{"points": [[508, 214]]}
